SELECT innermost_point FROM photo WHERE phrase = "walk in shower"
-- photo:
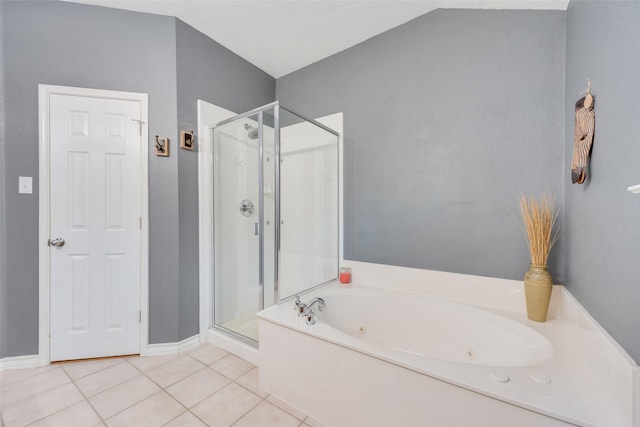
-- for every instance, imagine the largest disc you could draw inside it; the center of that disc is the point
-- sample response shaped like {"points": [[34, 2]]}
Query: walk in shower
{"points": [[275, 213]]}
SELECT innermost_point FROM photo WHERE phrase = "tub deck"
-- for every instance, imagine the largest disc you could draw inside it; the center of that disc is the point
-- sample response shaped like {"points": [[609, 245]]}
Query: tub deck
{"points": [[589, 380]]}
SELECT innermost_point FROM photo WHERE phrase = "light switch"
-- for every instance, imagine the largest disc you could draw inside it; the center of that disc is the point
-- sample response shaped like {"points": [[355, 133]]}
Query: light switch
{"points": [[25, 185]]}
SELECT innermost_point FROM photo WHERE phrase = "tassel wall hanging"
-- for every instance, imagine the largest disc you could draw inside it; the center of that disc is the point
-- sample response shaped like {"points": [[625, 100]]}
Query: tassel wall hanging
{"points": [[583, 136]]}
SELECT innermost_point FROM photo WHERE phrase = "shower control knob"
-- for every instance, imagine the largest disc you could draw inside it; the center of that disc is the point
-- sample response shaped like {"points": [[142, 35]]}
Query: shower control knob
{"points": [[246, 208]]}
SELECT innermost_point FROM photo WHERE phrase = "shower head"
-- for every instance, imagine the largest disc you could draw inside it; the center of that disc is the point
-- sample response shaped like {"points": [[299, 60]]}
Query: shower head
{"points": [[252, 132]]}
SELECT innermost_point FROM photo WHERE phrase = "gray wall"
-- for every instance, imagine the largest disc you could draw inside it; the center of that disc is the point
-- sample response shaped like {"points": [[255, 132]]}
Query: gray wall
{"points": [[69, 44], [602, 230], [448, 119], [208, 71], [3, 180], [76, 45]]}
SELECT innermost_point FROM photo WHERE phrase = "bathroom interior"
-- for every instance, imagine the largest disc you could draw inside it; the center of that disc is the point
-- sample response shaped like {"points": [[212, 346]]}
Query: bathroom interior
{"points": [[401, 155]]}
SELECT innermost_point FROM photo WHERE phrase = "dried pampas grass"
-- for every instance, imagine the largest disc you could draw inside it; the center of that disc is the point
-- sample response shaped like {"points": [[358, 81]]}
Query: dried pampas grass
{"points": [[539, 220]]}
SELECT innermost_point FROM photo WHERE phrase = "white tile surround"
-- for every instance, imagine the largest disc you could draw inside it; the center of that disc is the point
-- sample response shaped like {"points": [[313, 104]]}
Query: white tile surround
{"points": [[206, 386]]}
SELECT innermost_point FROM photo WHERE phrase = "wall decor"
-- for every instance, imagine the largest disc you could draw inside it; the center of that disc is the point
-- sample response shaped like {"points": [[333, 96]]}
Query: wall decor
{"points": [[583, 136], [186, 139], [162, 146]]}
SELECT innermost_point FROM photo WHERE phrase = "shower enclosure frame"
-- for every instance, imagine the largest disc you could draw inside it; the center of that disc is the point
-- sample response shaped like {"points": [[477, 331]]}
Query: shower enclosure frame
{"points": [[259, 111]]}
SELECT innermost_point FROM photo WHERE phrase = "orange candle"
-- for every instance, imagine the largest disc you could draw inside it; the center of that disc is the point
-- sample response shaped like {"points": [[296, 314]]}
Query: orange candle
{"points": [[345, 275]]}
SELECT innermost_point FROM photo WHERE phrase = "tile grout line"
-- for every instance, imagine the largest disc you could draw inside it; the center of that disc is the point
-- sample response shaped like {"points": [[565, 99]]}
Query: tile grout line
{"points": [[42, 392], [175, 382], [161, 364], [251, 409], [197, 417], [232, 381], [85, 397], [30, 378], [170, 395], [103, 420], [61, 365], [49, 368], [306, 416], [264, 399], [73, 404], [143, 374], [162, 389]]}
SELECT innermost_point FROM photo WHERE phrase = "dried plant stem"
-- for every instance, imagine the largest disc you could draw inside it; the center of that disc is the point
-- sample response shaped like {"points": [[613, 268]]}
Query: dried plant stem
{"points": [[539, 220]]}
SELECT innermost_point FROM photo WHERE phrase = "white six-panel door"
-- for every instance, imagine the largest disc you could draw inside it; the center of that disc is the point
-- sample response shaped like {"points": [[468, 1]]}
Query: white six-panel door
{"points": [[95, 199]]}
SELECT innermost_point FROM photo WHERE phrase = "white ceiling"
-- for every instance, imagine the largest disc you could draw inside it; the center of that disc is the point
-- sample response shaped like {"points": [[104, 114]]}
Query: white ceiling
{"points": [[283, 36]]}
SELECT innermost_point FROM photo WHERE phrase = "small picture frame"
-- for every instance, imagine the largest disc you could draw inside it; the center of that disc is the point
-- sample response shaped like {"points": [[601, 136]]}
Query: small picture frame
{"points": [[162, 146], [186, 139]]}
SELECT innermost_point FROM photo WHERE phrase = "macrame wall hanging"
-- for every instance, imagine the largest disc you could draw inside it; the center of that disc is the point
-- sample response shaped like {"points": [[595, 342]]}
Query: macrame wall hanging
{"points": [[583, 136]]}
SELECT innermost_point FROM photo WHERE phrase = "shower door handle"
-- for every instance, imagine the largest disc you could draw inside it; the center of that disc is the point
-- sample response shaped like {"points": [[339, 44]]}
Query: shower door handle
{"points": [[256, 229]]}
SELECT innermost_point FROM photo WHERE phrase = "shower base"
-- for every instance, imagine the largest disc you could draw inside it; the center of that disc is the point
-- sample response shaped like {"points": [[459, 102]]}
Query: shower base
{"points": [[247, 326]]}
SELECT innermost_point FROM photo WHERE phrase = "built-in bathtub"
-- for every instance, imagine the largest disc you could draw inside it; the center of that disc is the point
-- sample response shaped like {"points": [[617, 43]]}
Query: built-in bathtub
{"points": [[413, 348], [415, 330]]}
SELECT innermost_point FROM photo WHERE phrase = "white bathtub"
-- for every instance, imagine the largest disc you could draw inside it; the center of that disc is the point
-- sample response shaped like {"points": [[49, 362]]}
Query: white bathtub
{"points": [[426, 328], [414, 357]]}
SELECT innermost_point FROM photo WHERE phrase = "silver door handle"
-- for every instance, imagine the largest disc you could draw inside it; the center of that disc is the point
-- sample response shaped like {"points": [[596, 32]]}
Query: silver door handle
{"points": [[58, 242]]}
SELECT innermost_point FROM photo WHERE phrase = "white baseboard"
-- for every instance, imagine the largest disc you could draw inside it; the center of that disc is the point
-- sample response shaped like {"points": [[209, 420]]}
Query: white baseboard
{"points": [[19, 362], [33, 361], [169, 348], [189, 343]]}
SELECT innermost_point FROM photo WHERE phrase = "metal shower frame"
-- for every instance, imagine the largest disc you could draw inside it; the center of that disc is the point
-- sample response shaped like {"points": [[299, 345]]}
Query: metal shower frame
{"points": [[276, 106]]}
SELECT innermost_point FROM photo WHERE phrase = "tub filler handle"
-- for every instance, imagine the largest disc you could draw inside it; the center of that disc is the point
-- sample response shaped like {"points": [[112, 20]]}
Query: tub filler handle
{"points": [[299, 306], [310, 318], [306, 310]]}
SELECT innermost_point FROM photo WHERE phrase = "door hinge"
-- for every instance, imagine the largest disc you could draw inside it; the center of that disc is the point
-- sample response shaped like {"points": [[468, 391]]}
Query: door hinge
{"points": [[140, 222], [140, 316]]}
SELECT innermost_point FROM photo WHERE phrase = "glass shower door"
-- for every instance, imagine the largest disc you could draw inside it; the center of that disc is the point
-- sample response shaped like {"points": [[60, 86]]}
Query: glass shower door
{"points": [[236, 209], [275, 213], [309, 248]]}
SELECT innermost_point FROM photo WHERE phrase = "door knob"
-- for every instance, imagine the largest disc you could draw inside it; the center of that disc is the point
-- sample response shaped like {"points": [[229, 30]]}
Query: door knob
{"points": [[58, 242]]}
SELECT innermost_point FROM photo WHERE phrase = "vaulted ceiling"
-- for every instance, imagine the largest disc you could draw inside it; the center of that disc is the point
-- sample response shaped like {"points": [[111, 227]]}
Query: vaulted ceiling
{"points": [[280, 37]]}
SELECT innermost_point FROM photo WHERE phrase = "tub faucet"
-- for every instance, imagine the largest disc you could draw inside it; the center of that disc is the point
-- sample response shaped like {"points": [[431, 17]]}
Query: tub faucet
{"points": [[306, 310], [316, 301]]}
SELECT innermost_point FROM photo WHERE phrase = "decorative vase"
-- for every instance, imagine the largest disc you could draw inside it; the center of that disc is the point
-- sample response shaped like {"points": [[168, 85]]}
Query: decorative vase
{"points": [[537, 291]]}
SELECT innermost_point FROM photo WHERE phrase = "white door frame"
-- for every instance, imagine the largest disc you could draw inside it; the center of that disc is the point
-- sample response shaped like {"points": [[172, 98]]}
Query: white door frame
{"points": [[44, 208]]}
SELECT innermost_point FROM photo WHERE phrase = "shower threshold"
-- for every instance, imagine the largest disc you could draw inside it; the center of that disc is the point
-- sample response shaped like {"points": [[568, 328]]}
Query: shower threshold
{"points": [[245, 326]]}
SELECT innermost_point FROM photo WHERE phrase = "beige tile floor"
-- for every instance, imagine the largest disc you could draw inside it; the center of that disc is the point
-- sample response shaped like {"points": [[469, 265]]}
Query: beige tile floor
{"points": [[204, 387]]}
